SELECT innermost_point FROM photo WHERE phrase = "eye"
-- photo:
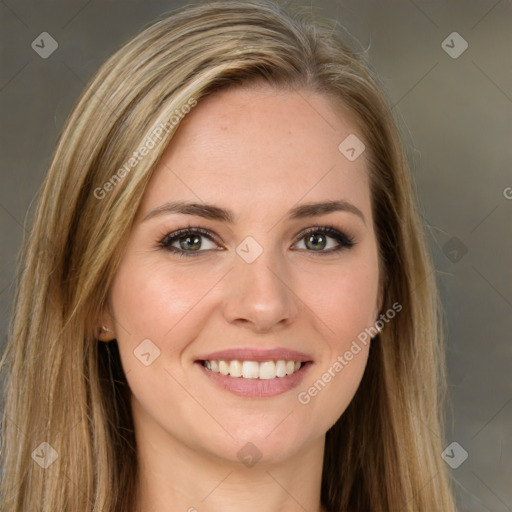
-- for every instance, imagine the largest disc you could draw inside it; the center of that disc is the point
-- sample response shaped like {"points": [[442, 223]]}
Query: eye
{"points": [[316, 239], [189, 241]]}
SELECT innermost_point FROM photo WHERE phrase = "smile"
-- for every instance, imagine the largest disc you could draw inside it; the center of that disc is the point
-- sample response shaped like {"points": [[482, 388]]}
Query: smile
{"points": [[252, 379], [265, 370]]}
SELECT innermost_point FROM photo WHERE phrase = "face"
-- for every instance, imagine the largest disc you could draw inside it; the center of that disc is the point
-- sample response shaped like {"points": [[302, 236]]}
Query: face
{"points": [[264, 287]]}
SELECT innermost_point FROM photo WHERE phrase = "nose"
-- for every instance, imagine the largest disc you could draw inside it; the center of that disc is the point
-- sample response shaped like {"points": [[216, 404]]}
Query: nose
{"points": [[260, 295]]}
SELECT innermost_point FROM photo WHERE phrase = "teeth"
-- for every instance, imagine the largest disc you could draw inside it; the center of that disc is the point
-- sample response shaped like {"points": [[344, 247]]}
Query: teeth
{"points": [[252, 369], [235, 369], [267, 370], [281, 368], [223, 368]]}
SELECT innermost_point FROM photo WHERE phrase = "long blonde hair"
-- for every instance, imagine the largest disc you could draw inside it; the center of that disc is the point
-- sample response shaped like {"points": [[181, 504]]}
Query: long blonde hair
{"points": [[68, 390]]}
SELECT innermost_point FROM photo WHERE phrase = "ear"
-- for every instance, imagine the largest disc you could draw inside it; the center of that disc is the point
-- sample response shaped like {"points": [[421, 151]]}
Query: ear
{"points": [[105, 326]]}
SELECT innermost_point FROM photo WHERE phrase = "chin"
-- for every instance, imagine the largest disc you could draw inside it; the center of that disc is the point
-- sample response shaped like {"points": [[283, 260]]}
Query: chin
{"points": [[260, 444]]}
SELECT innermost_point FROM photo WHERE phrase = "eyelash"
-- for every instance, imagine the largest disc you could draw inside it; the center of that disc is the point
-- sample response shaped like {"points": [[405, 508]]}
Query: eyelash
{"points": [[345, 242]]}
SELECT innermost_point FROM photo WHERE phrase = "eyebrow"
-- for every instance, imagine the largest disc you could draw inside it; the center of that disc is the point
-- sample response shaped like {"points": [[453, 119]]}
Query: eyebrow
{"points": [[209, 211]]}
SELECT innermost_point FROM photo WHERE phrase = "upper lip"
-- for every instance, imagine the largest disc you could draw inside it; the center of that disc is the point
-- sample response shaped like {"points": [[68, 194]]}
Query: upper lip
{"points": [[256, 354]]}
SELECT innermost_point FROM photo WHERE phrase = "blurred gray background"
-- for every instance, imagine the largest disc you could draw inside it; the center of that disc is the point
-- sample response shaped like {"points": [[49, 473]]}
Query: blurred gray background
{"points": [[454, 106]]}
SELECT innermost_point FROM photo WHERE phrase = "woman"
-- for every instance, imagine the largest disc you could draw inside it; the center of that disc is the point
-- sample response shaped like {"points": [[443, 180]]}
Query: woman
{"points": [[226, 299]]}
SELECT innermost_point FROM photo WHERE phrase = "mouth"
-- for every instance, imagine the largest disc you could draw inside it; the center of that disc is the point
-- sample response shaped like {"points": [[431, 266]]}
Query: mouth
{"points": [[265, 370], [255, 373]]}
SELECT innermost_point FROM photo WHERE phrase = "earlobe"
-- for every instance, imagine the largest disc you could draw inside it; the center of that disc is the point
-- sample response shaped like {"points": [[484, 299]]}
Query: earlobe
{"points": [[105, 334], [105, 329]]}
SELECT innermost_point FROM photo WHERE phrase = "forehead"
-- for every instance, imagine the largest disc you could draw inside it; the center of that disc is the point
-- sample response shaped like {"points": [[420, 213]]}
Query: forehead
{"points": [[260, 148]]}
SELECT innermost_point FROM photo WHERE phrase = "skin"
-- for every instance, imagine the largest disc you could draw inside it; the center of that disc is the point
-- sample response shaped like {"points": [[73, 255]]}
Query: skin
{"points": [[258, 152]]}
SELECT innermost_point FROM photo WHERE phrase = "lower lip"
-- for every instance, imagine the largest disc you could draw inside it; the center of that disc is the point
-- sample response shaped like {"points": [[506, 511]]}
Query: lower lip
{"points": [[256, 388]]}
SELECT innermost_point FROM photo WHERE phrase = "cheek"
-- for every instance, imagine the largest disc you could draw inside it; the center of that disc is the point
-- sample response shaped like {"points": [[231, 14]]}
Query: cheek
{"points": [[155, 302], [345, 300], [151, 300], [345, 303]]}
